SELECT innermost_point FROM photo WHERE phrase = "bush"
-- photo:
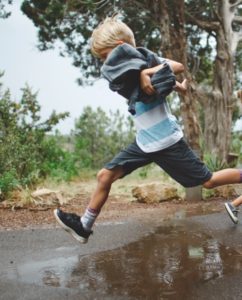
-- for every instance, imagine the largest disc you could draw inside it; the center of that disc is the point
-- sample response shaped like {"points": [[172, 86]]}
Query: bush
{"points": [[57, 162], [98, 137], [23, 151], [213, 162], [8, 182]]}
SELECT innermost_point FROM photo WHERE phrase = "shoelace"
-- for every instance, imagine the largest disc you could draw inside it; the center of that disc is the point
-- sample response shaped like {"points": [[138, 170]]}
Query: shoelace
{"points": [[235, 212], [72, 217]]}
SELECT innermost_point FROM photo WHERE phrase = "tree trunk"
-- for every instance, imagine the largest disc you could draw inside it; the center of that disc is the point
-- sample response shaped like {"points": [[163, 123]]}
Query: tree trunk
{"points": [[219, 106], [174, 46]]}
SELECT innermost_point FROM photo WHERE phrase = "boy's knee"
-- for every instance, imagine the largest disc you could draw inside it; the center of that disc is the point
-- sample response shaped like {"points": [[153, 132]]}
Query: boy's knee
{"points": [[209, 184], [102, 176], [105, 176]]}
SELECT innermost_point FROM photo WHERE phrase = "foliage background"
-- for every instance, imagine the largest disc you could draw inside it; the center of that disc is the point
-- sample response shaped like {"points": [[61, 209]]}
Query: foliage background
{"points": [[30, 149]]}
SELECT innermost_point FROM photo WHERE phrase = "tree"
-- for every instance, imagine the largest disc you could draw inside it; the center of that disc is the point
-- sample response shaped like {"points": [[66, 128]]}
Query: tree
{"points": [[23, 150], [170, 18], [76, 18], [91, 131], [222, 20], [172, 30], [98, 137], [3, 12]]}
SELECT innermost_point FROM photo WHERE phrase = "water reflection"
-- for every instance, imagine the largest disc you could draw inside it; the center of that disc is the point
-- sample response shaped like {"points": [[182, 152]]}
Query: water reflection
{"points": [[164, 265], [212, 264]]}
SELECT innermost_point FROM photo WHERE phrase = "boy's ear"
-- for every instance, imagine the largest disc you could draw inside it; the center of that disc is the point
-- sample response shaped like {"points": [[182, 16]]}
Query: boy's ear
{"points": [[120, 42]]}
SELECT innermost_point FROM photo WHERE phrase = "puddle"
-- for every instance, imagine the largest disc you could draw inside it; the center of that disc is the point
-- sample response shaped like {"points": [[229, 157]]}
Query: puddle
{"points": [[164, 265]]}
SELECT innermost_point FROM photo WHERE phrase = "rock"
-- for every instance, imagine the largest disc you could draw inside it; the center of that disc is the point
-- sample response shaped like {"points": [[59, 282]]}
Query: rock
{"points": [[155, 192], [226, 191], [47, 197], [5, 204]]}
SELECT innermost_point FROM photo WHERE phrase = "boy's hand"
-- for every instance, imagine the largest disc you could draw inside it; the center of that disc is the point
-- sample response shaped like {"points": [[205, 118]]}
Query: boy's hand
{"points": [[145, 82], [181, 87], [184, 85]]}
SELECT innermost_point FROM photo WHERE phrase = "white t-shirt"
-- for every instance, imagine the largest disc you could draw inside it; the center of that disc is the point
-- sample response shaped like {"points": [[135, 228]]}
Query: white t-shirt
{"points": [[156, 127]]}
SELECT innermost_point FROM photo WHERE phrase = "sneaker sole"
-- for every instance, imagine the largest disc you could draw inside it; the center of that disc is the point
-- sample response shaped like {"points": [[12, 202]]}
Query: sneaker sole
{"points": [[69, 230], [232, 217]]}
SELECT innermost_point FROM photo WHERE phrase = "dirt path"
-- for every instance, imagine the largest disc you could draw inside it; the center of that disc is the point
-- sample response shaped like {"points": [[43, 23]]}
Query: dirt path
{"points": [[120, 204], [116, 208]]}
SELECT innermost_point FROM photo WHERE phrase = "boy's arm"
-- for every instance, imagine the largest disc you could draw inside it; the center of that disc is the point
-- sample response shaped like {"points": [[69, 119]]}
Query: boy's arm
{"points": [[175, 66], [145, 75]]}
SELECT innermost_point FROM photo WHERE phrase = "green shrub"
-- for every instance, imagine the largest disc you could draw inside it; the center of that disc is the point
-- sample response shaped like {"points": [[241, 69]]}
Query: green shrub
{"points": [[57, 162], [23, 151], [213, 162], [99, 137], [8, 182]]}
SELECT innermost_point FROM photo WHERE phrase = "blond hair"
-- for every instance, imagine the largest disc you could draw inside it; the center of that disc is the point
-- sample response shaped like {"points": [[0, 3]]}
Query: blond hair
{"points": [[109, 34]]}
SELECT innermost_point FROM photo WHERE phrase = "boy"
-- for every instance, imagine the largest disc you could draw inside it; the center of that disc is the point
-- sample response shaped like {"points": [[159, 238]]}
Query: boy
{"points": [[159, 139]]}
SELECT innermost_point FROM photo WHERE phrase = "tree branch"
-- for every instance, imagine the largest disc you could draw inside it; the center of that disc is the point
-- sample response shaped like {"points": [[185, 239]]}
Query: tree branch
{"points": [[236, 4], [237, 19], [208, 26], [237, 37]]}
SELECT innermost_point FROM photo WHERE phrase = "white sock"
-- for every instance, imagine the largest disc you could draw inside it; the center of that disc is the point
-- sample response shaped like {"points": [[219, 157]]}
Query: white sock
{"points": [[89, 218]]}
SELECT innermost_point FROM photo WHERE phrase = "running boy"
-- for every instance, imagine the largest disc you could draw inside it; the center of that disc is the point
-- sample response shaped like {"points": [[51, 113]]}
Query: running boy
{"points": [[159, 139]]}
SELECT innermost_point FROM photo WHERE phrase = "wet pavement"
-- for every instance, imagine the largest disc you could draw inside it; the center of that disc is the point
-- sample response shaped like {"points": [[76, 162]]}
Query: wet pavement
{"points": [[196, 257]]}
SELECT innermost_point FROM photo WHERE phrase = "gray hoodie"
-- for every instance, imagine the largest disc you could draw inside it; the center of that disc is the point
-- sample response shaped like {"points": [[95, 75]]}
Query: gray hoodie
{"points": [[122, 69]]}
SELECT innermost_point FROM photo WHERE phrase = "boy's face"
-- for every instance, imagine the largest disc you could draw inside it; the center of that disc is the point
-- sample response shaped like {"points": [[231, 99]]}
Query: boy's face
{"points": [[103, 54]]}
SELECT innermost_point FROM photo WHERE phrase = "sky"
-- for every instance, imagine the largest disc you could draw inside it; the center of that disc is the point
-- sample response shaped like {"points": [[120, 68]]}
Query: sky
{"points": [[52, 76]]}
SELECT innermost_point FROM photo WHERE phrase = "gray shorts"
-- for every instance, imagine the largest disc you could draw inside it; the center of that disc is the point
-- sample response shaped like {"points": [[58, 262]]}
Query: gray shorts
{"points": [[178, 160]]}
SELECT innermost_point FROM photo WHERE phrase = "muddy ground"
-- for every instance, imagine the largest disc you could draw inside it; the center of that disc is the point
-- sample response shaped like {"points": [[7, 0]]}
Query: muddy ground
{"points": [[121, 204], [117, 207]]}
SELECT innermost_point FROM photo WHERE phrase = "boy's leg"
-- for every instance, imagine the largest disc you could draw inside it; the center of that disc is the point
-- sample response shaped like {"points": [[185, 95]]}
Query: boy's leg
{"points": [[227, 176], [180, 162], [237, 202], [105, 178], [222, 177], [232, 209], [81, 228], [124, 163]]}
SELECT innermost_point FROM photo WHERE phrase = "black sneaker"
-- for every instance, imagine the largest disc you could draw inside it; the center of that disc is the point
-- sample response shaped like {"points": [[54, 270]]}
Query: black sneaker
{"points": [[232, 212], [72, 223]]}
